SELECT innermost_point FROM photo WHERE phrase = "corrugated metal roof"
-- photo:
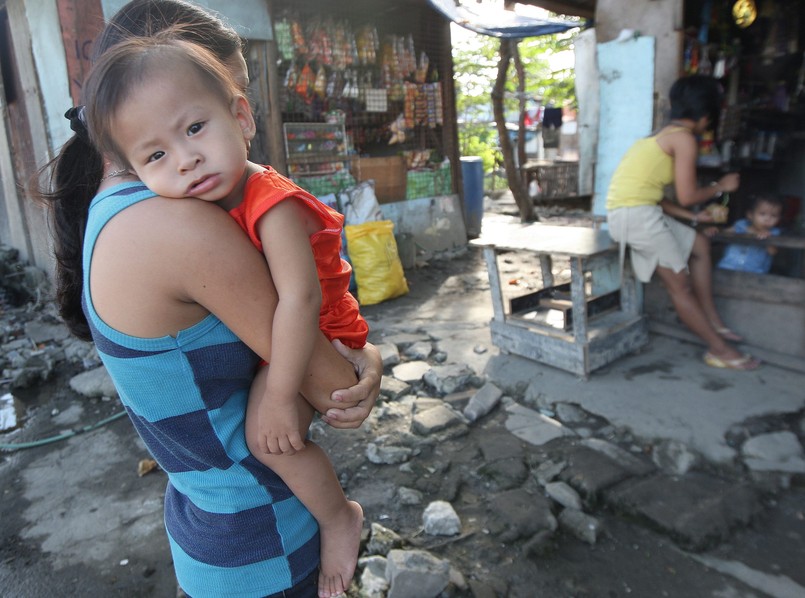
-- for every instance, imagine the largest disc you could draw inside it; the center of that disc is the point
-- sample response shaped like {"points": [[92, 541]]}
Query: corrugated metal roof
{"points": [[578, 8], [487, 20]]}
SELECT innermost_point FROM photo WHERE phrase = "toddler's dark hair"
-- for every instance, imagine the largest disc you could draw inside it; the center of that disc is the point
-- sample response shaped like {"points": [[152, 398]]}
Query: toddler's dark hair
{"points": [[773, 200]]}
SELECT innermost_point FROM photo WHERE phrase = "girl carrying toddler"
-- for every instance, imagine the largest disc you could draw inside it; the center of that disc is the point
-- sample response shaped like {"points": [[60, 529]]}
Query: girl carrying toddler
{"points": [[170, 112]]}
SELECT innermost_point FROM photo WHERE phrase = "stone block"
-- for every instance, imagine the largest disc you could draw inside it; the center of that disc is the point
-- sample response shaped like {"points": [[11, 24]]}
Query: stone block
{"points": [[446, 379], [392, 388], [517, 514], [590, 472], [434, 420], [416, 574], [483, 402], [697, 510], [585, 527]]}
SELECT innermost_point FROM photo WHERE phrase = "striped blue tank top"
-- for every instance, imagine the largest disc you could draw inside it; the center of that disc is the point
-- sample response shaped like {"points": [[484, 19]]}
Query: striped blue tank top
{"points": [[234, 527]]}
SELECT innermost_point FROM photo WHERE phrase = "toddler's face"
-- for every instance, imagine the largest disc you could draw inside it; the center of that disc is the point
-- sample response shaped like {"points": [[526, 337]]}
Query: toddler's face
{"points": [[184, 140], [765, 216]]}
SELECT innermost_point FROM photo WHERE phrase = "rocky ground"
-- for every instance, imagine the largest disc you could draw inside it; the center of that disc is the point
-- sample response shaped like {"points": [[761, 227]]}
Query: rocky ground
{"points": [[552, 500], [473, 484]]}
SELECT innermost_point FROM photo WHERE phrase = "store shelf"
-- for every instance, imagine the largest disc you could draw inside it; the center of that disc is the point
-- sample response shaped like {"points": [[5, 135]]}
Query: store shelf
{"points": [[313, 149], [315, 158]]}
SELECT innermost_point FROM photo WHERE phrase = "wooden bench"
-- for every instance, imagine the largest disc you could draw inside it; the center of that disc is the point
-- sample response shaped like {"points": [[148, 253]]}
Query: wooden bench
{"points": [[578, 326]]}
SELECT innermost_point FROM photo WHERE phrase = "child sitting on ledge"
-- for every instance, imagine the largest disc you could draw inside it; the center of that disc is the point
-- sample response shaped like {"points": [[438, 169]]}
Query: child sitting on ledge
{"points": [[761, 221]]}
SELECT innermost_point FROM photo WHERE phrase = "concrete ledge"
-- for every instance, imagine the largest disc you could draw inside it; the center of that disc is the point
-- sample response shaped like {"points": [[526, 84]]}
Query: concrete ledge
{"points": [[767, 310], [697, 510]]}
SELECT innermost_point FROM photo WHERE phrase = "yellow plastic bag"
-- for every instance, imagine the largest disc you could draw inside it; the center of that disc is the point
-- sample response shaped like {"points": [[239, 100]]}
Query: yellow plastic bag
{"points": [[375, 261]]}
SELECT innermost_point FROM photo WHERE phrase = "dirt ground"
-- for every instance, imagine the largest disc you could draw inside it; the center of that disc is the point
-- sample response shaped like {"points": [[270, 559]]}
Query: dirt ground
{"points": [[628, 559], [123, 552]]}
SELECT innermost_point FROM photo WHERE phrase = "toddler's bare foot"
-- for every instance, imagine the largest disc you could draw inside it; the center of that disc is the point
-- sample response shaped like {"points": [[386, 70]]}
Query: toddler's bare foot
{"points": [[340, 541]]}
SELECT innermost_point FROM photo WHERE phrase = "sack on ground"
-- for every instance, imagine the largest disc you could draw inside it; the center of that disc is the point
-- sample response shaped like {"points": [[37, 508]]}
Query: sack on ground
{"points": [[359, 204], [375, 261]]}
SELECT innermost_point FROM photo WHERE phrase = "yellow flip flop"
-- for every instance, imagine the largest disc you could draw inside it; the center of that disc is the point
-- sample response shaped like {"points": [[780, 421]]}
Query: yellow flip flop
{"points": [[744, 362]]}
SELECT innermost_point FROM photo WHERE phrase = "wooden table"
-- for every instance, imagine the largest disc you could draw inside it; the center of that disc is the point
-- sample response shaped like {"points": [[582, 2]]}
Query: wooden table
{"points": [[601, 316]]}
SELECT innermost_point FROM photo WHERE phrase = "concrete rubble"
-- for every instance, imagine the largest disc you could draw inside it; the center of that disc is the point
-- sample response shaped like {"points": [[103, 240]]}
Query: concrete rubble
{"points": [[441, 519]]}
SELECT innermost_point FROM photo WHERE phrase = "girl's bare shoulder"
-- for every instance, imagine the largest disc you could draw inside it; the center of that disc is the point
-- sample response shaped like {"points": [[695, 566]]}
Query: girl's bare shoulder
{"points": [[170, 232], [673, 139], [182, 217]]}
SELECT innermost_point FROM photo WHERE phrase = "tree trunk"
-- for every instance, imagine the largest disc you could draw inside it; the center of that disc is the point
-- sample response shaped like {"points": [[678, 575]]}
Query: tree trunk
{"points": [[518, 68], [516, 183]]}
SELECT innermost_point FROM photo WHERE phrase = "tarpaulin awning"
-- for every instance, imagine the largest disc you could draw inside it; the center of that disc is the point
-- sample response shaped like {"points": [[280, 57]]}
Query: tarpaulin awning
{"points": [[493, 21]]}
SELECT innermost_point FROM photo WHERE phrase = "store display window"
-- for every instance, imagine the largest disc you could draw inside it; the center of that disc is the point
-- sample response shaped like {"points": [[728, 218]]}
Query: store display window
{"points": [[361, 99]]}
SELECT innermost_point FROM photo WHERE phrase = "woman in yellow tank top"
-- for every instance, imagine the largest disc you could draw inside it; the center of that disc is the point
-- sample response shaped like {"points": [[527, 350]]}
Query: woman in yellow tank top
{"points": [[640, 216]]}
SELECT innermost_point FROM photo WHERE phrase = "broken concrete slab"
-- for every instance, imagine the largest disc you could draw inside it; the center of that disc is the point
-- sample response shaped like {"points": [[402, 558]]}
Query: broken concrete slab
{"points": [[416, 574], [591, 472], [447, 379], [482, 402], [393, 388], [42, 332], [418, 350], [516, 514], [411, 371], [94, 383], [389, 353], [697, 510], [564, 494], [497, 445], [634, 464], [440, 519], [585, 527], [778, 451], [532, 426], [435, 419]]}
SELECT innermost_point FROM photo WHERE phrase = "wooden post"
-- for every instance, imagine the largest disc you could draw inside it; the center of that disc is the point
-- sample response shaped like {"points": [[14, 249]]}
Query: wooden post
{"points": [[579, 299], [81, 21], [26, 136], [490, 255], [546, 268]]}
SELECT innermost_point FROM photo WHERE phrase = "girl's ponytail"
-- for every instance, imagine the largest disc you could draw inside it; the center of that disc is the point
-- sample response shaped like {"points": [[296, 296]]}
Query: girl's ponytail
{"points": [[73, 177]]}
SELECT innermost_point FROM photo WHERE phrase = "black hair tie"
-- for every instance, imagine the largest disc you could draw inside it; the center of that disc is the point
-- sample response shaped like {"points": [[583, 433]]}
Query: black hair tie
{"points": [[77, 123]]}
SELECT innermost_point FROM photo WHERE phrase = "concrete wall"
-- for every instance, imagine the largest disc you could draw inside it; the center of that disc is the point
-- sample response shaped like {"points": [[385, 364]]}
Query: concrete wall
{"points": [[436, 223], [250, 18], [767, 310], [626, 89], [587, 90], [51, 67], [660, 19], [42, 84]]}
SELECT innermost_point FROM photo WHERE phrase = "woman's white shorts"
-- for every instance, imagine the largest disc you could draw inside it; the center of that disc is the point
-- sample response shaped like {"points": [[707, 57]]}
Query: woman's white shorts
{"points": [[653, 237]]}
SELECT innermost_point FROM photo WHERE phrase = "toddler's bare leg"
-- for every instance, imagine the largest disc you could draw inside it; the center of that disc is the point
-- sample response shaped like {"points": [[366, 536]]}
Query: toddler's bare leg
{"points": [[311, 477]]}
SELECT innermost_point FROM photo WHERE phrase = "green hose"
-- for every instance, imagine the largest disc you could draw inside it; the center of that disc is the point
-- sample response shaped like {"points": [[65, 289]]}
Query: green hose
{"points": [[44, 441]]}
